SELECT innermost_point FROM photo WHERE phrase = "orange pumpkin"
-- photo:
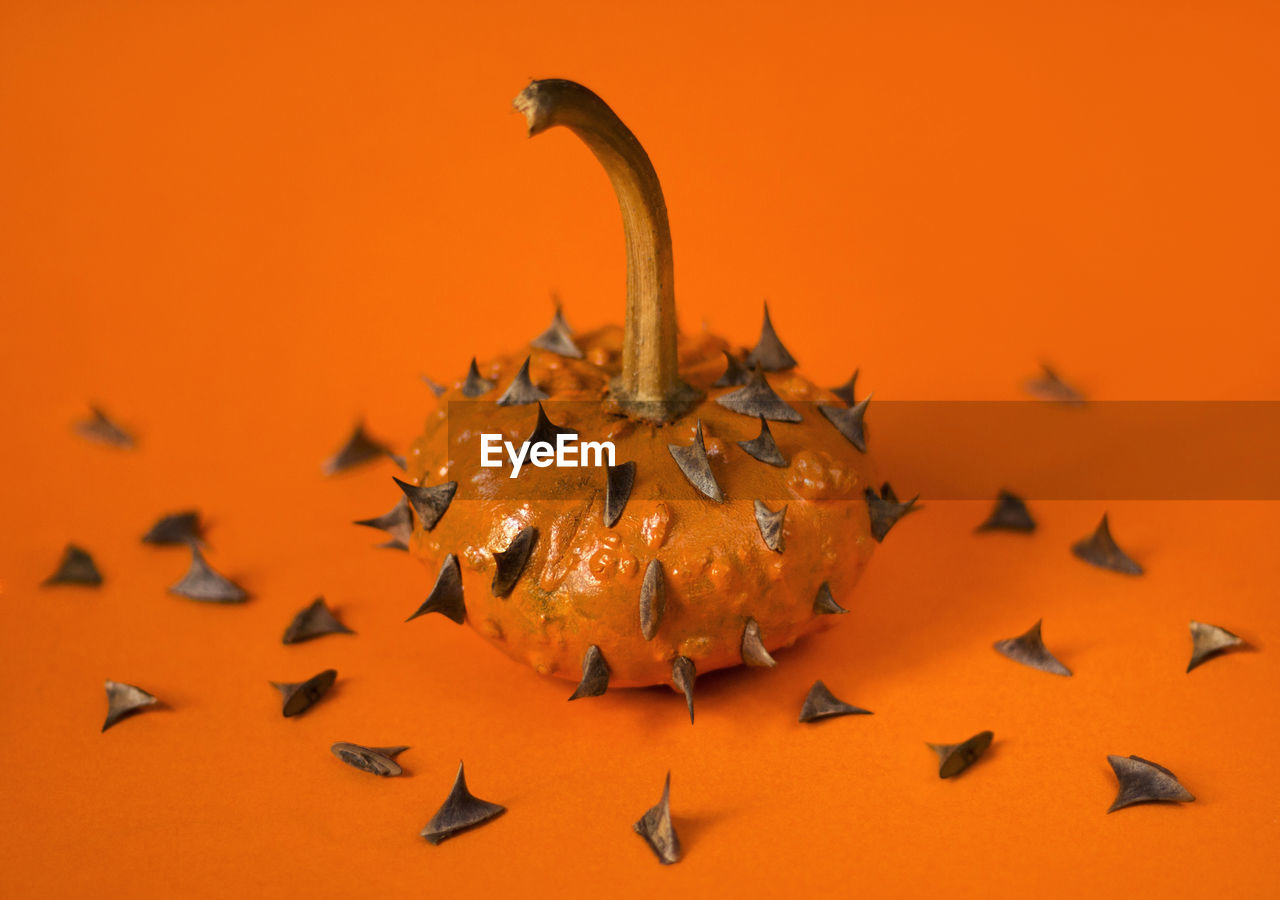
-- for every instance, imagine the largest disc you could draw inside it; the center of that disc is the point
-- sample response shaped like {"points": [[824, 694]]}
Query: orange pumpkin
{"points": [[736, 517]]}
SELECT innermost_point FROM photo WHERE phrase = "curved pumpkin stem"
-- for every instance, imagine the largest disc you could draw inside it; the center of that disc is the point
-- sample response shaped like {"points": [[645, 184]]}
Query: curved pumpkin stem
{"points": [[649, 386]]}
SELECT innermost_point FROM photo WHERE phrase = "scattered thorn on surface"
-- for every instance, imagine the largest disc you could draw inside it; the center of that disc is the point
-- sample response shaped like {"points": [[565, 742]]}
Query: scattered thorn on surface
{"points": [[770, 525], [757, 398], [547, 432], [846, 391], [76, 567], [1029, 649], [885, 512], [619, 480], [522, 390], [558, 338], [300, 696], [735, 373], [429, 503], [1208, 641], [1101, 550], [824, 604], [474, 385], [460, 812], [955, 758], [204, 584], [176, 529], [1142, 781], [1009, 514], [1048, 385], [125, 700], [374, 760], [595, 675], [753, 649], [509, 563], [98, 427], [849, 421], [768, 353], [398, 524], [821, 704], [446, 596], [436, 389], [315, 621], [693, 462], [359, 449], [653, 599], [683, 674], [658, 832], [764, 448]]}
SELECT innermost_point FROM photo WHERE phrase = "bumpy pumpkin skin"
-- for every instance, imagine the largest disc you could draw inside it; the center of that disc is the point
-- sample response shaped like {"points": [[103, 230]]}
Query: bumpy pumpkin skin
{"points": [[582, 583]]}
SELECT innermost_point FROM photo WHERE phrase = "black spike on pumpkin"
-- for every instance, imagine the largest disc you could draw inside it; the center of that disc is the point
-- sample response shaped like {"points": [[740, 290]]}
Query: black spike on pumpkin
{"points": [[653, 599], [522, 390], [849, 422], [379, 761], [619, 480], [768, 353], [206, 585], [299, 696], [1009, 514], [735, 373], [693, 462], [753, 649], [1049, 385], [955, 758], [824, 604], [101, 429], [884, 512], [1028, 648], [475, 385], [683, 674], [1142, 781], [429, 503], [595, 675], [1100, 549], [558, 338], [398, 524], [846, 391], [125, 700], [821, 704], [315, 621], [76, 567], [764, 448], [359, 449], [658, 832], [757, 398], [435, 388], [176, 529], [770, 525], [545, 431], [446, 596], [509, 564], [461, 811], [1208, 641]]}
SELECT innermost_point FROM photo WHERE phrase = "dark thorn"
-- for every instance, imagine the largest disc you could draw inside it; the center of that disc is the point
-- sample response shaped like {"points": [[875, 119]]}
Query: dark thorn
{"points": [[300, 696], [1101, 550], [764, 447], [1009, 514], [595, 674], [888, 493], [446, 597], [374, 760], [398, 460], [547, 432], [360, 448], [693, 462], [177, 528], [474, 385], [619, 480], [683, 675], [770, 525], [849, 421], [558, 338], [845, 391], [398, 523], [76, 567], [821, 704], [315, 621], [522, 390], [125, 700], [509, 564], [429, 503], [825, 605], [437, 389], [756, 398], [202, 583], [1029, 649], [459, 812], [769, 354], [753, 649], [1142, 781], [955, 758], [101, 429], [658, 832], [885, 513], [1050, 386], [735, 373], [653, 599], [1208, 641]]}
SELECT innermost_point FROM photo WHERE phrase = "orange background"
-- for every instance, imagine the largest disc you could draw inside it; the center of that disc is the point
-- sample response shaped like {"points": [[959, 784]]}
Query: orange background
{"points": [[241, 226]]}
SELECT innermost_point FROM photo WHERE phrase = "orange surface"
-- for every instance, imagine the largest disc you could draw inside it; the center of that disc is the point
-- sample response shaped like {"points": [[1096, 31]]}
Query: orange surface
{"points": [[241, 226]]}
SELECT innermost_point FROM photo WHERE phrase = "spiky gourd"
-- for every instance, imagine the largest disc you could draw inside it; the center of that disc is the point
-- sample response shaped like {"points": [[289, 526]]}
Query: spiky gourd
{"points": [[735, 516]]}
